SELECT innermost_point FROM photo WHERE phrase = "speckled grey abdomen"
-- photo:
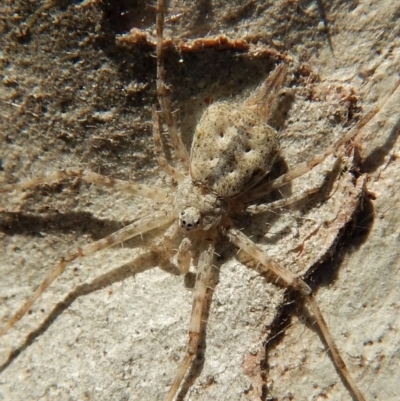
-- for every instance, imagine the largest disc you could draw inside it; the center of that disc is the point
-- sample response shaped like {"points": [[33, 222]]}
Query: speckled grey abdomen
{"points": [[233, 148]]}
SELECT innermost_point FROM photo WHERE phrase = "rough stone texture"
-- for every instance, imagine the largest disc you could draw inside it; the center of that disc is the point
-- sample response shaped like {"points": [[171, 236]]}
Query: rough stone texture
{"points": [[72, 95]]}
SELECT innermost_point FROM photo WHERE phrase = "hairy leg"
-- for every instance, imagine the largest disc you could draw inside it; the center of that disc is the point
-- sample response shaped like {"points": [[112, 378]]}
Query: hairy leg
{"points": [[162, 161], [294, 281], [141, 226], [305, 167], [155, 194], [181, 154], [200, 292]]}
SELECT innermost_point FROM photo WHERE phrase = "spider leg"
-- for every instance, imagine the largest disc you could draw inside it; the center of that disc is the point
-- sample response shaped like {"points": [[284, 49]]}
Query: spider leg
{"points": [[167, 247], [155, 194], [162, 161], [339, 363], [280, 203], [202, 282], [181, 153], [141, 226], [183, 256], [293, 280], [265, 95], [304, 168], [244, 243]]}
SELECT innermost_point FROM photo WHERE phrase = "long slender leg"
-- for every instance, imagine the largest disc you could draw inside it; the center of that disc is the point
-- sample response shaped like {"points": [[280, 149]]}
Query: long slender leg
{"points": [[280, 203], [339, 363], [181, 154], [265, 95], [162, 161], [202, 281], [156, 194], [141, 226], [248, 246], [245, 244], [304, 168]]}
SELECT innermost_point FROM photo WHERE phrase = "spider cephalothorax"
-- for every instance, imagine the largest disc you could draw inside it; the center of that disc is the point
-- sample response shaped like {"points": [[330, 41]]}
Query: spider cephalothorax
{"points": [[197, 208]]}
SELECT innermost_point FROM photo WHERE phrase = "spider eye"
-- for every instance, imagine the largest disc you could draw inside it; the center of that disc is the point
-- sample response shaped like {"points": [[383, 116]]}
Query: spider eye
{"points": [[189, 218]]}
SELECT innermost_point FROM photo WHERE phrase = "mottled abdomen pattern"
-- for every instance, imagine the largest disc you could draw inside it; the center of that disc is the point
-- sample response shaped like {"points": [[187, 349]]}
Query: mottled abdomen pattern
{"points": [[233, 148]]}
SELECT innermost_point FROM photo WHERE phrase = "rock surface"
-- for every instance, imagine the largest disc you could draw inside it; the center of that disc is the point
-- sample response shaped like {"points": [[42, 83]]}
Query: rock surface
{"points": [[74, 94]]}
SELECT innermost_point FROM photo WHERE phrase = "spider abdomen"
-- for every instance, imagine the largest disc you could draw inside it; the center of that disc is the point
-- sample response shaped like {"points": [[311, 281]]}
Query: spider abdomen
{"points": [[233, 148]]}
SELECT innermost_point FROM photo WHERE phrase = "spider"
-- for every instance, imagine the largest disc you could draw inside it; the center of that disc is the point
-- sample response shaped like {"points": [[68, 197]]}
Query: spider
{"points": [[223, 177]]}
